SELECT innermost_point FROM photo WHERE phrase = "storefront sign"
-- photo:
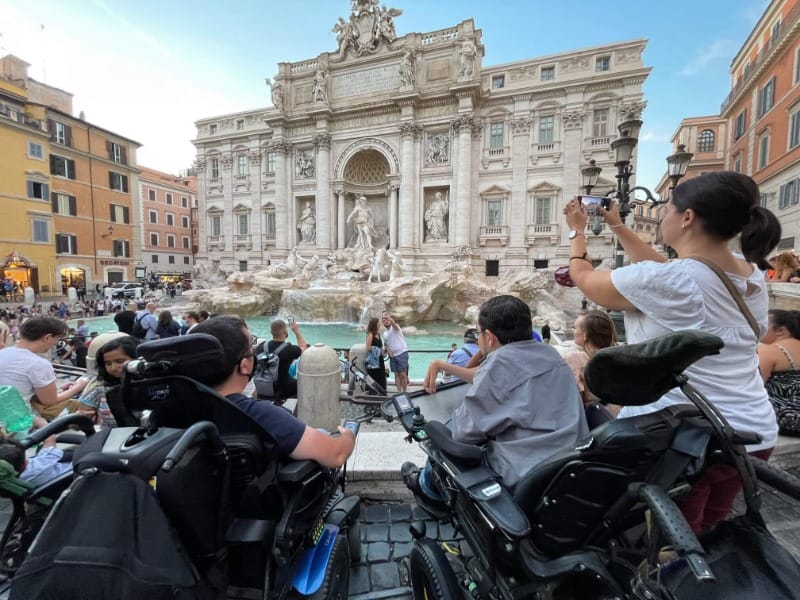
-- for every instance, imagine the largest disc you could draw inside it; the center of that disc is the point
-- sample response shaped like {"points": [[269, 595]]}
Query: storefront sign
{"points": [[124, 263]]}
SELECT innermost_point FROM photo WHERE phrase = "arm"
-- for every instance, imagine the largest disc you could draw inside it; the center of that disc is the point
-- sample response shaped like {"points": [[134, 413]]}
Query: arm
{"points": [[768, 356], [437, 365], [301, 341], [327, 450], [636, 248], [49, 394]]}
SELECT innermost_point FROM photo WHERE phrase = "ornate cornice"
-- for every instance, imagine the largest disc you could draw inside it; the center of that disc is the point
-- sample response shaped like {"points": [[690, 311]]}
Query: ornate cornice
{"points": [[281, 147], [200, 164], [255, 157], [573, 119], [463, 121], [521, 125]]}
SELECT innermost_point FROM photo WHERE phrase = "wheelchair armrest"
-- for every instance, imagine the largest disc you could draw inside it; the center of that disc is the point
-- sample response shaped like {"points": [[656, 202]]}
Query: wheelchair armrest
{"points": [[83, 422], [71, 437], [296, 470], [745, 437], [442, 437], [483, 487]]}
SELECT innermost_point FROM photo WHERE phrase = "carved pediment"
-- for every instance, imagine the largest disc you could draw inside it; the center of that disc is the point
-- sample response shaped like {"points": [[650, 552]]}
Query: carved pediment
{"points": [[495, 189], [544, 186]]}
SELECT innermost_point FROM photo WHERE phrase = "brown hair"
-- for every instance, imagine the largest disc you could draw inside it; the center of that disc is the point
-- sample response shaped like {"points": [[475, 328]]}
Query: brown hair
{"points": [[598, 329], [372, 326]]}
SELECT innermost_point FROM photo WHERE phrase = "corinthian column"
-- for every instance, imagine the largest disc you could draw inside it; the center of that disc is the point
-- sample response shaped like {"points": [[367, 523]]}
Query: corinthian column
{"points": [[392, 191], [281, 148], [322, 142], [520, 145], [465, 126], [341, 240], [406, 210]]}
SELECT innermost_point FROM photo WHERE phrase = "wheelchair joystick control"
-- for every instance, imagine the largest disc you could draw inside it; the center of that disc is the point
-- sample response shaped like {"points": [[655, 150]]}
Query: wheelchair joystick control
{"points": [[418, 420]]}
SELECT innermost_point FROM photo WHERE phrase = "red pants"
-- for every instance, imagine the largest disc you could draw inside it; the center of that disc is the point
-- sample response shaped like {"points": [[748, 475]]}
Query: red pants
{"points": [[712, 497]]}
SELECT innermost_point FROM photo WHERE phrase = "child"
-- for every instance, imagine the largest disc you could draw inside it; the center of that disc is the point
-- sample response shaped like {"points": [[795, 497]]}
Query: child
{"points": [[109, 361], [48, 464]]}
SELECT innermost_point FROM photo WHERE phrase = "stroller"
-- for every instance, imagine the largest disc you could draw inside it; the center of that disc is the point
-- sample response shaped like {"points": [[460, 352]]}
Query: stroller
{"points": [[194, 501], [370, 389]]}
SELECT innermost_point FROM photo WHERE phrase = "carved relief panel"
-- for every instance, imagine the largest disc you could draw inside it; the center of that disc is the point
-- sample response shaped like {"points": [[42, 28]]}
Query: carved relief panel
{"points": [[437, 148]]}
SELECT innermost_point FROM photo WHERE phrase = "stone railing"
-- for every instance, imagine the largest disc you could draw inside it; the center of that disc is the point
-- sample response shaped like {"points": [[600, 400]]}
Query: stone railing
{"points": [[600, 142], [542, 230], [444, 35], [547, 148], [216, 240], [267, 240], [306, 65], [241, 240], [494, 234]]}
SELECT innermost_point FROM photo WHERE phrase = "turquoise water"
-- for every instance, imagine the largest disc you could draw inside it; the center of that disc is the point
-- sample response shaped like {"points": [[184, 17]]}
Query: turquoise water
{"points": [[436, 336]]}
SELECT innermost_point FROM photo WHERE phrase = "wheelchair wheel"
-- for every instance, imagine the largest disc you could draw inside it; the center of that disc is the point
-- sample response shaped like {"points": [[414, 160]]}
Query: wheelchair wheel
{"points": [[354, 541], [432, 577], [337, 574]]}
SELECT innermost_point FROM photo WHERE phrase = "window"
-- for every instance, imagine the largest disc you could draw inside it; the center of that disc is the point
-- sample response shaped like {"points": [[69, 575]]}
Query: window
{"points": [[171, 260], [62, 167], [184, 202], [794, 129], [540, 263], [737, 163], [216, 225], [170, 241], [41, 230], [154, 258], [35, 150], [498, 82], [740, 125], [603, 63], [151, 195], [116, 153], [496, 134], [64, 204], [270, 162], [185, 222], [776, 29], [789, 193], [154, 239], [548, 73], [171, 219], [494, 213], [122, 248], [270, 222], [117, 181], [546, 125], [763, 197], [241, 165], [705, 141], [66, 243], [242, 223], [169, 198], [38, 190], [119, 213], [153, 216], [212, 129], [186, 260], [214, 168], [543, 210], [60, 133], [763, 151], [600, 123], [185, 241], [766, 97], [240, 124], [243, 266], [492, 268]]}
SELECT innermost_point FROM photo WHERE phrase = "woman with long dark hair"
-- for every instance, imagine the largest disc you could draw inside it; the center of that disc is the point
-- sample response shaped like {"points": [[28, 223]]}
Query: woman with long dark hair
{"points": [[167, 326], [374, 354], [779, 363]]}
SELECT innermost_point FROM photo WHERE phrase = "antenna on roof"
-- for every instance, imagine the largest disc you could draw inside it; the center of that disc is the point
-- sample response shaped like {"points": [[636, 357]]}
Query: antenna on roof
{"points": [[44, 67]]}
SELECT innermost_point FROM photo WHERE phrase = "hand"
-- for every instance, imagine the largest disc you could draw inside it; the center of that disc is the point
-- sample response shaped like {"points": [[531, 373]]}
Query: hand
{"points": [[575, 214], [611, 215], [294, 327], [79, 384], [431, 374], [343, 430]]}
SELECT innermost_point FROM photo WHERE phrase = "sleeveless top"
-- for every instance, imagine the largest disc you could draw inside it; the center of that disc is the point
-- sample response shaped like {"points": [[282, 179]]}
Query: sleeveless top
{"points": [[783, 389]]}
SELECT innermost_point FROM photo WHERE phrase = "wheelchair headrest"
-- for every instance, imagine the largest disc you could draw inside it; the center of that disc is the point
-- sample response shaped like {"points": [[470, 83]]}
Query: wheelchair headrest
{"points": [[639, 374], [199, 356]]}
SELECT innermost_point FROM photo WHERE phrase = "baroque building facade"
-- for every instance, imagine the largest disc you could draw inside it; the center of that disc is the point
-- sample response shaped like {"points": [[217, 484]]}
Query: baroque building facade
{"points": [[412, 144]]}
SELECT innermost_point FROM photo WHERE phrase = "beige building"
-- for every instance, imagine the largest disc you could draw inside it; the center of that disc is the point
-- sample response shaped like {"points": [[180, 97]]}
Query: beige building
{"points": [[411, 143]]}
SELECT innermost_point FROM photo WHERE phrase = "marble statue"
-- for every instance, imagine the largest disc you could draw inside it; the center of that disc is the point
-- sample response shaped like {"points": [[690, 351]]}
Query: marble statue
{"points": [[407, 75], [305, 164], [438, 150], [398, 268], [277, 94], [320, 91], [436, 219], [307, 225], [369, 26], [385, 23], [466, 59], [362, 218], [379, 265]]}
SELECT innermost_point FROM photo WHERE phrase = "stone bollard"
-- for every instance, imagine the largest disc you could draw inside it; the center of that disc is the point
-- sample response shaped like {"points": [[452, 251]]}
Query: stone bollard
{"points": [[318, 387], [72, 294], [30, 296]]}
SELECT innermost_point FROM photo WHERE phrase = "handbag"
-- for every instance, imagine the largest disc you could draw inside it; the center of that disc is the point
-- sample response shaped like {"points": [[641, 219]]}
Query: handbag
{"points": [[562, 276]]}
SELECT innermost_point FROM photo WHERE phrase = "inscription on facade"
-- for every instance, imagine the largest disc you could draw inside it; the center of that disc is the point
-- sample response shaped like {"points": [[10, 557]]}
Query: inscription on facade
{"points": [[438, 69], [366, 81]]}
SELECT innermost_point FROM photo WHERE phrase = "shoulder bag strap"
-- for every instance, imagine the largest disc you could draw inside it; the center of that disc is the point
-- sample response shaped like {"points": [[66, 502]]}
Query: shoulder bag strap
{"points": [[280, 348], [734, 293]]}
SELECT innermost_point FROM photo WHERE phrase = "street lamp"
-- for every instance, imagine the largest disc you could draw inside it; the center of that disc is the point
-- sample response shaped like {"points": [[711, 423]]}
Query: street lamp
{"points": [[589, 175], [677, 164]]}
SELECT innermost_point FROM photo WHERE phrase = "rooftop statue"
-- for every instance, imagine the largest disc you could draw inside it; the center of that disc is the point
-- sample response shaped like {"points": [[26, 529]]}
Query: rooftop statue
{"points": [[369, 26]]}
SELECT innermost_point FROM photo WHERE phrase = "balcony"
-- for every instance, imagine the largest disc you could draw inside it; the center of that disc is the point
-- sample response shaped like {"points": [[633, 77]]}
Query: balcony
{"points": [[267, 240], [216, 241], [242, 241], [493, 235], [551, 149], [547, 232], [600, 142], [502, 154]]}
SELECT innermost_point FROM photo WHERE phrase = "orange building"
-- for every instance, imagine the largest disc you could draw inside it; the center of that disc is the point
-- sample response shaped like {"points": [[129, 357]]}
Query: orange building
{"points": [[165, 203], [763, 113]]}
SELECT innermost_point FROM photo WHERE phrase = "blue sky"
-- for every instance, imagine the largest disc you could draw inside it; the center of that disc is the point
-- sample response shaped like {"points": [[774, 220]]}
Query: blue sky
{"points": [[148, 69]]}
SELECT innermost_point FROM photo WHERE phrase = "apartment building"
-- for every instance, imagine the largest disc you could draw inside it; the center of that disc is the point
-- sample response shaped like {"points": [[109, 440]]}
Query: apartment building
{"points": [[166, 203]]}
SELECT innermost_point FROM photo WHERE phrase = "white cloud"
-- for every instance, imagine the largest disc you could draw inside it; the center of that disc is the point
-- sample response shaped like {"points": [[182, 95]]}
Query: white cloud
{"points": [[720, 49]]}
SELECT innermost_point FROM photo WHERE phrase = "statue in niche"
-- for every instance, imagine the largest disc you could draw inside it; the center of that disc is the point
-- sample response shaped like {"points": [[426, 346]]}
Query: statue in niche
{"points": [[398, 268], [438, 151], [305, 164], [308, 225], [407, 76], [436, 219], [362, 218], [466, 59], [320, 91], [277, 94]]}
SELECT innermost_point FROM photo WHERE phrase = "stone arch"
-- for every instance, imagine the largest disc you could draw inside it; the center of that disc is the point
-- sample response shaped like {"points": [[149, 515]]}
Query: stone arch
{"points": [[368, 144]]}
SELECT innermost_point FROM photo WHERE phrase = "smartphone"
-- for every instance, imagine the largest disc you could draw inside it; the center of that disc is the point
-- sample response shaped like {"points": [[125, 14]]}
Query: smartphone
{"points": [[290, 320], [352, 426], [591, 202]]}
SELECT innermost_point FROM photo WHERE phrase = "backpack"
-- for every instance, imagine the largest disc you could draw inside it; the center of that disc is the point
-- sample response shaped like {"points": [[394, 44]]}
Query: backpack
{"points": [[266, 377], [137, 330]]}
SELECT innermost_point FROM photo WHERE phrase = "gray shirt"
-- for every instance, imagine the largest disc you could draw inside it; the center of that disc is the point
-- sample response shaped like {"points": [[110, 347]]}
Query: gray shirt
{"points": [[524, 405]]}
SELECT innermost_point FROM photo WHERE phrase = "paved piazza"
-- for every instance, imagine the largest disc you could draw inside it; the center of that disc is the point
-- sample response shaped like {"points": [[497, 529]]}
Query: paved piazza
{"points": [[411, 143]]}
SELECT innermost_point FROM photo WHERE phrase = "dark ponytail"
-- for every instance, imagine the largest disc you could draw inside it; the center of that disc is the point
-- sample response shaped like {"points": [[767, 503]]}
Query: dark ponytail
{"points": [[760, 236], [790, 319]]}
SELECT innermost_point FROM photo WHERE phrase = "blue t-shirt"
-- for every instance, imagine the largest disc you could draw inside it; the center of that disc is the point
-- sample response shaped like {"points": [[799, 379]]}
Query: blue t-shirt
{"points": [[536, 336], [277, 422]]}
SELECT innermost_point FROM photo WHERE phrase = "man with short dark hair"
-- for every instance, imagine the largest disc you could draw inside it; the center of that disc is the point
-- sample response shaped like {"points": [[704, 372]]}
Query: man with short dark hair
{"points": [[148, 321], [292, 437], [287, 385], [397, 349], [190, 319], [124, 318], [460, 357], [523, 404]]}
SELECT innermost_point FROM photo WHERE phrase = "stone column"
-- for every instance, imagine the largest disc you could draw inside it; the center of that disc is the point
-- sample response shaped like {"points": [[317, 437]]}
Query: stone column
{"points": [[281, 148], [463, 125], [202, 206], [256, 214], [392, 191], [405, 213], [228, 220], [341, 230], [517, 211], [322, 142]]}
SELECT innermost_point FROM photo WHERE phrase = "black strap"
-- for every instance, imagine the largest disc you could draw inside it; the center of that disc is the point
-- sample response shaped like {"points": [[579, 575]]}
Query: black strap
{"points": [[280, 348], [464, 348], [734, 293]]}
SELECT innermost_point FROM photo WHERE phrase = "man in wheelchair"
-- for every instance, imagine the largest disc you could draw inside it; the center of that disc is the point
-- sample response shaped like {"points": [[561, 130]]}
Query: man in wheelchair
{"points": [[292, 437]]}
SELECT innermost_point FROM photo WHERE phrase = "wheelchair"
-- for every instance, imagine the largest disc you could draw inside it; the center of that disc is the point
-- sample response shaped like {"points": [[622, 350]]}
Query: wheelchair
{"points": [[250, 523]]}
